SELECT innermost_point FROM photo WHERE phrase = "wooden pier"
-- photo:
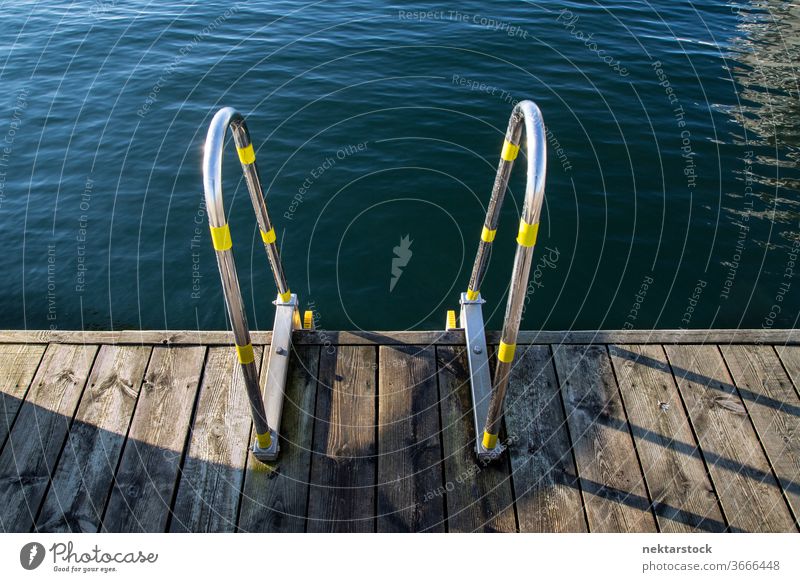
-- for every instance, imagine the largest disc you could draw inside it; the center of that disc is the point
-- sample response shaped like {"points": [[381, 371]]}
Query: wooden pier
{"points": [[635, 431]]}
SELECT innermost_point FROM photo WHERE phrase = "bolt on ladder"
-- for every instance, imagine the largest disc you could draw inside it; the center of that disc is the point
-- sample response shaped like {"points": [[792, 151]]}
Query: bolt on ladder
{"points": [[266, 409], [487, 398]]}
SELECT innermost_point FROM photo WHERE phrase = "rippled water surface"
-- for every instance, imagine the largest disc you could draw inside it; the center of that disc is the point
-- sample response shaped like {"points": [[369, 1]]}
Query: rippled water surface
{"points": [[672, 190]]}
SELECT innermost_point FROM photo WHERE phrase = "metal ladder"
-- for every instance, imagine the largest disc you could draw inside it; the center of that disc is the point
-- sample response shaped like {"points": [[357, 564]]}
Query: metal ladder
{"points": [[266, 410], [487, 398]]}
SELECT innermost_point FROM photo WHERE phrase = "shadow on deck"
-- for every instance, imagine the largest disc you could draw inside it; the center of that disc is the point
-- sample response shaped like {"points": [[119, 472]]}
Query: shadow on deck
{"points": [[377, 436]]}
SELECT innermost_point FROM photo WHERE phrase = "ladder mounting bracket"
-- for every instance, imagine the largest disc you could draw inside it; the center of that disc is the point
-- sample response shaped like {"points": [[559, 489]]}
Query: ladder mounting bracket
{"points": [[479, 374], [287, 319]]}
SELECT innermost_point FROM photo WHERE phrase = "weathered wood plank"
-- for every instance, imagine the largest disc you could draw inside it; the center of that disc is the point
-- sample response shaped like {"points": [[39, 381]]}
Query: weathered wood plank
{"points": [[747, 490], [611, 480], [790, 356], [213, 470], [683, 498], [454, 337], [343, 465], [144, 337], [546, 486], [410, 453], [479, 497], [18, 364], [148, 472], [80, 486], [275, 497], [37, 437], [774, 408]]}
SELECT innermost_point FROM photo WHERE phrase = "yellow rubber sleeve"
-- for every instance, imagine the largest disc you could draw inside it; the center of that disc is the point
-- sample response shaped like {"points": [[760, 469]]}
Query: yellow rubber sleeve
{"points": [[527, 233], [285, 296], [245, 354], [488, 235], [221, 237], [246, 154], [269, 236], [506, 352], [472, 295], [489, 440], [264, 440], [510, 151]]}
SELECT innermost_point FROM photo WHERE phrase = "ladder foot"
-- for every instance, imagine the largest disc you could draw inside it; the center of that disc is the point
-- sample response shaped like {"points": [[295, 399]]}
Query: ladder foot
{"points": [[487, 456], [270, 453]]}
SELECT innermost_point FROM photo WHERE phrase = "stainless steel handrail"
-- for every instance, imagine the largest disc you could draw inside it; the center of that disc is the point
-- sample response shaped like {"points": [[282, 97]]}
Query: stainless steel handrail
{"points": [[221, 238], [536, 143]]}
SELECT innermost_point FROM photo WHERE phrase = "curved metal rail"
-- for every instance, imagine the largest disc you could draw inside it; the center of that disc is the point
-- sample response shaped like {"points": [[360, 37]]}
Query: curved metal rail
{"points": [[266, 437], [536, 145]]}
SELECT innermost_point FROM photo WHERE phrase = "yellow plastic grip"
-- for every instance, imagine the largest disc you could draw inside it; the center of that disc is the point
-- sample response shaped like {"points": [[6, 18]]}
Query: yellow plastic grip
{"points": [[488, 235], [510, 151], [472, 295], [506, 352], [451, 319], [269, 236], [285, 296], [527, 233], [221, 237], [246, 154], [489, 440], [264, 440], [308, 320], [245, 353]]}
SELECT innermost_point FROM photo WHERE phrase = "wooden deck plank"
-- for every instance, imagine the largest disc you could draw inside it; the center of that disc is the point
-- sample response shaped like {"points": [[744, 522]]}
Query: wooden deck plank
{"points": [[452, 337], [275, 497], [410, 452], [18, 364], [774, 407], [747, 490], [213, 470], [343, 464], [365, 453], [85, 472], [613, 487], [546, 487], [478, 497], [790, 357], [683, 497], [37, 437], [148, 473]]}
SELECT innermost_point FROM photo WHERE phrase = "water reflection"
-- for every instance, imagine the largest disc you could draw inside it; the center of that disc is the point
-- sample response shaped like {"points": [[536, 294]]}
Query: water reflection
{"points": [[763, 61]]}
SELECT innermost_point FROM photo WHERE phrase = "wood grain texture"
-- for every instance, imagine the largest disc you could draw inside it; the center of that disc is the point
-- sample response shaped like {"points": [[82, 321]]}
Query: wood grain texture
{"points": [[683, 497], [613, 487], [453, 337], [29, 458], [790, 357], [213, 470], [774, 407], [148, 472], [343, 464], [479, 497], [86, 470], [546, 487], [143, 337], [18, 364], [409, 450], [275, 497], [355, 455], [749, 494]]}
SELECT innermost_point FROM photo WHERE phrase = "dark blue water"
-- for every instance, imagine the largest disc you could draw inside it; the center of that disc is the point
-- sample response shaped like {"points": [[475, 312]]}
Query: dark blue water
{"points": [[672, 191]]}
